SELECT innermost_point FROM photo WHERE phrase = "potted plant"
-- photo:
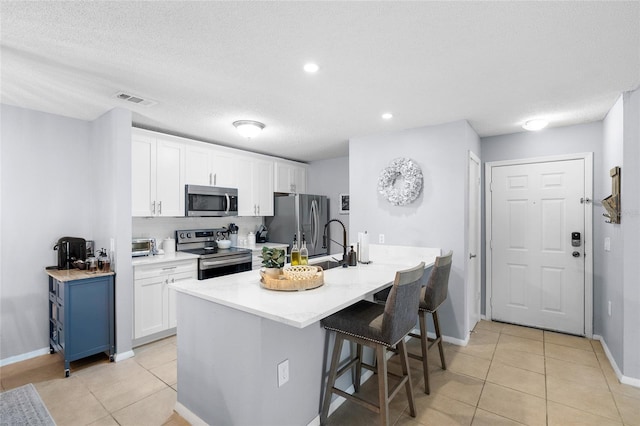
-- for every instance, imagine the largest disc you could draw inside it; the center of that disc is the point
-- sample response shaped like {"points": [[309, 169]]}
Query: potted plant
{"points": [[273, 260]]}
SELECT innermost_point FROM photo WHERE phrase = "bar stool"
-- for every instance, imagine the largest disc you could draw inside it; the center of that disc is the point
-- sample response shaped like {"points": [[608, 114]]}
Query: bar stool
{"points": [[431, 297], [378, 327]]}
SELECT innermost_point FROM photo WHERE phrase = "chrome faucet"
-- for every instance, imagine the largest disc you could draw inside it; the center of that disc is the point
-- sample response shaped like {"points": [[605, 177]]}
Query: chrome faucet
{"points": [[344, 240]]}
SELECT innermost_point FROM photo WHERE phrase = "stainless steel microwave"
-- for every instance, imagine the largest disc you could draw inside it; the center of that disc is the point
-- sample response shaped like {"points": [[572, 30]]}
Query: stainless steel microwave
{"points": [[210, 201]]}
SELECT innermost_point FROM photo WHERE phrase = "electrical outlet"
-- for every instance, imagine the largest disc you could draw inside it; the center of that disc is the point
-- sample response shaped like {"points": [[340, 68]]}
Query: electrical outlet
{"points": [[609, 308], [283, 372], [381, 238]]}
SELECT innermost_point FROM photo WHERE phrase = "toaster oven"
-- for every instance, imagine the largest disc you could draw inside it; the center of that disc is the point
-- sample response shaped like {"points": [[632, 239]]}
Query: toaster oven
{"points": [[142, 246]]}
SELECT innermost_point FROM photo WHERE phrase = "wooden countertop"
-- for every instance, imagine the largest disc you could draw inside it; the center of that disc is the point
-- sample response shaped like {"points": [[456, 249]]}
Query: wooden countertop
{"points": [[74, 274]]}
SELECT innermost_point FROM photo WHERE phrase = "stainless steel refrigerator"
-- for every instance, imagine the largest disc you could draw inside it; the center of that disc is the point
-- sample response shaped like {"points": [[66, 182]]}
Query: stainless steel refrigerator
{"points": [[298, 214]]}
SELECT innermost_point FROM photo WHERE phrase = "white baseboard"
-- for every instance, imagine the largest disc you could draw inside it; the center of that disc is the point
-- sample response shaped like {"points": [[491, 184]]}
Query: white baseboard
{"points": [[121, 356], [188, 415], [23, 357], [632, 381]]}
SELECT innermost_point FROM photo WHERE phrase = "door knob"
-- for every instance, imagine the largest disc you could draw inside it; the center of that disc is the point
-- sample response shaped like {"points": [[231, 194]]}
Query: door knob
{"points": [[576, 254], [471, 255]]}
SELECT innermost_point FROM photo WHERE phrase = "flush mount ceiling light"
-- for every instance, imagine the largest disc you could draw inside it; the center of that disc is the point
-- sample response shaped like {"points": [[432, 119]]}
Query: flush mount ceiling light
{"points": [[248, 128], [311, 67], [533, 125], [387, 116]]}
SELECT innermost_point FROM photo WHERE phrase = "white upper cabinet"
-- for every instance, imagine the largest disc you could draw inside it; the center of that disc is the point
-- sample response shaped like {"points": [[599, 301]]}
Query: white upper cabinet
{"points": [[255, 186], [208, 165], [157, 176], [290, 177]]}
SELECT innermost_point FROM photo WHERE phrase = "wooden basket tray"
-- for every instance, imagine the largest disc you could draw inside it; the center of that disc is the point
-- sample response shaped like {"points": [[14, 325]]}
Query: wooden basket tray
{"points": [[281, 283]]}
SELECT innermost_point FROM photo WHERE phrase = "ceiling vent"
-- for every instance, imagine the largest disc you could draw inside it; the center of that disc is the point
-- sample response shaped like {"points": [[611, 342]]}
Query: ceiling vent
{"points": [[138, 100]]}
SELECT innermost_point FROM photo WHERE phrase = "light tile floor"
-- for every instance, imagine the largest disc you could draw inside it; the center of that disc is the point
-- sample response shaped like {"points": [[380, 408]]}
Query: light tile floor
{"points": [[509, 375], [506, 375], [137, 391]]}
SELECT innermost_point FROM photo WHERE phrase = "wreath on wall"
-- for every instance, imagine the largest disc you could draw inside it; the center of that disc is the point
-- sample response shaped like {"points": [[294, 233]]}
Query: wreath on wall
{"points": [[405, 192]]}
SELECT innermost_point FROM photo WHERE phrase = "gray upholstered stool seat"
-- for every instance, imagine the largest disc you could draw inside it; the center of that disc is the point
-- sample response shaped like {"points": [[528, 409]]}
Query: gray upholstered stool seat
{"points": [[379, 327], [431, 297]]}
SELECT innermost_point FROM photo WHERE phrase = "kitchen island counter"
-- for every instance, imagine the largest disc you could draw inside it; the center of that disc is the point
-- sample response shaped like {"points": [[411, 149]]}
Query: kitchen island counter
{"points": [[233, 334]]}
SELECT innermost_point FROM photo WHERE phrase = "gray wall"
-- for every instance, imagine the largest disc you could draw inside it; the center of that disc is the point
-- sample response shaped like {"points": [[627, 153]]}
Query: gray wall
{"points": [[51, 170], [631, 224], [608, 266], [331, 178], [111, 219], [437, 218]]}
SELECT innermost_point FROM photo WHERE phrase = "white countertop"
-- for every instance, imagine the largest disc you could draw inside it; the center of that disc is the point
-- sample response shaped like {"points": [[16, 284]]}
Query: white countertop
{"points": [[161, 258], [342, 287]]}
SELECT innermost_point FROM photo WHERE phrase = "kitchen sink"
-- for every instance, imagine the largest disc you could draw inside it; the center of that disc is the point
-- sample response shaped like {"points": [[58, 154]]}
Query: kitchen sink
{"points": [[327, 264]]}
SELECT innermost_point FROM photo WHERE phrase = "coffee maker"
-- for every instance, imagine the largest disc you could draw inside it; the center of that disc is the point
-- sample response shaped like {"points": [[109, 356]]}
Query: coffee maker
{"points": [[70, 249]]}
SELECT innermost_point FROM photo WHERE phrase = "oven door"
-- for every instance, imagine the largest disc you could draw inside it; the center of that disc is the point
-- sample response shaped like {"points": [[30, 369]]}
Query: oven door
{"points": [[210, 201], [213, 267]]}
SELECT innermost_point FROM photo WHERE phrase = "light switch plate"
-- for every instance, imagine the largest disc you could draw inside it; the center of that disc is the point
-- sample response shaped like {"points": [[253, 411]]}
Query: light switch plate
{"points": [[283, 372], [607, 244]]}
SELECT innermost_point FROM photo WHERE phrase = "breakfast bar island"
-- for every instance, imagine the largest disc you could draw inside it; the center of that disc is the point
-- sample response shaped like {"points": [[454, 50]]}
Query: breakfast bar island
{"points": [[233, 334]]}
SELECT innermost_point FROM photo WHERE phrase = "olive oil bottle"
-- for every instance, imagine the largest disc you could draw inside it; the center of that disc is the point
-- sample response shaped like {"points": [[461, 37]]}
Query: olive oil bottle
{"points": [[304, 252], [295, 252]]}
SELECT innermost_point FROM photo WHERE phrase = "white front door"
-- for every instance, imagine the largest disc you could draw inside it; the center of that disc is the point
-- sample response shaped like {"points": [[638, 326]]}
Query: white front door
{"points": [[537, 274], [473, 258]]}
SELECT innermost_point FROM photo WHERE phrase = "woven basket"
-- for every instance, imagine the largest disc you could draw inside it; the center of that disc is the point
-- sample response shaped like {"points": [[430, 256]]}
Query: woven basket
{"points": [[282, 283]]}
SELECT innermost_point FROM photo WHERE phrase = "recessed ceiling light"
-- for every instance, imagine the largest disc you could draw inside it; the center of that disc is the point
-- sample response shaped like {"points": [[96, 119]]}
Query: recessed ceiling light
{"points": [[248, 128], [387, 116], [533, 125], [311, 67]]}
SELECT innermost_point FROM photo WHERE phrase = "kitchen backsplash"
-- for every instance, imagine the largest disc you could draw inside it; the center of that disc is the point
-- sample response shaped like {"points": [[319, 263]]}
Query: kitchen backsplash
{"points": [[165, 227]]}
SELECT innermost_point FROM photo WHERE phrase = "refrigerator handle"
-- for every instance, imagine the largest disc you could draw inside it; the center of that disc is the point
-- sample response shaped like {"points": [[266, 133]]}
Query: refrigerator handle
{"points": [[314, 223]]}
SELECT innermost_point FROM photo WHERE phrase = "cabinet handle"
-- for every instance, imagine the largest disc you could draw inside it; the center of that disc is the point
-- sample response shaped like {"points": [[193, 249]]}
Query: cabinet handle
{"points": [[169, 267], [215, 179], [159, 207], [153, 208], [210, 179], [258, 208]]}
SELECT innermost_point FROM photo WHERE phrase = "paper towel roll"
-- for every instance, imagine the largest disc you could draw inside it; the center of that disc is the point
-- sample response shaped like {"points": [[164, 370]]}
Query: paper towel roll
{"points": [[364, 248], [169, 246]]}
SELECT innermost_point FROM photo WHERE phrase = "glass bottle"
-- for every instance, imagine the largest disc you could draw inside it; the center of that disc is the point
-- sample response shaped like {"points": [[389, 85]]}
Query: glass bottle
{"points": [[295, 251], [104, 264], [304, 253]]}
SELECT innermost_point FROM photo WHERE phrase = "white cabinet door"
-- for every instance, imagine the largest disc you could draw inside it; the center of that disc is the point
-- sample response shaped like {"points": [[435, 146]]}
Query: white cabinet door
{"points": [[171, 295], [143, 172], [255, 187], [150, 303], [223, 170], [263, 187], [198, 165], [290, 178], [157, 176], [170, 178]]}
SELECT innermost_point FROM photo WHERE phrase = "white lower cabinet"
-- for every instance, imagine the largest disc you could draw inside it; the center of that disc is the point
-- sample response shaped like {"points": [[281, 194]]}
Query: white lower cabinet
{"points": [[154, 301]]}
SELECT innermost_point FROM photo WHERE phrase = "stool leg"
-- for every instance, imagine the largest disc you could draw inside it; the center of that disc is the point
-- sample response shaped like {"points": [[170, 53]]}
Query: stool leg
{"points": [[356, 383], [331, 380], [383, 385], [424, 344], [436, 324], [404, 361]]}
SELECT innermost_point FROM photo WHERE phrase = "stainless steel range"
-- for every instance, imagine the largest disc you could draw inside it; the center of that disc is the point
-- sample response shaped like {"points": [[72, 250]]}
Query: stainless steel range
{"points": [[212, 260]]}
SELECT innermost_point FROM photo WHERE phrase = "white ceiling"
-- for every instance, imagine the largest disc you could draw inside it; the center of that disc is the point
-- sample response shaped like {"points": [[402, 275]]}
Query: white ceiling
{"points": [[207, 64]]}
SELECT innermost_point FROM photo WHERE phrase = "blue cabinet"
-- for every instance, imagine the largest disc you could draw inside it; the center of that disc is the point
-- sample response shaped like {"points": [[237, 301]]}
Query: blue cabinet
{"points": [[81, 314]]}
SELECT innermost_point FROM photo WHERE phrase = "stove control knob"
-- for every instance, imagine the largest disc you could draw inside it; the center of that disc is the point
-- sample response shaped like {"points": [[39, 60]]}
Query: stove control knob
{"points": [[188, 234], [182, 235]]}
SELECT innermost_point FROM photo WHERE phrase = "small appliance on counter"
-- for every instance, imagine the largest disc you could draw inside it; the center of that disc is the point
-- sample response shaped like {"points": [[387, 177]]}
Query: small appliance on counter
{"points": [[143, 247], [70, 250], [261, 234]]}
